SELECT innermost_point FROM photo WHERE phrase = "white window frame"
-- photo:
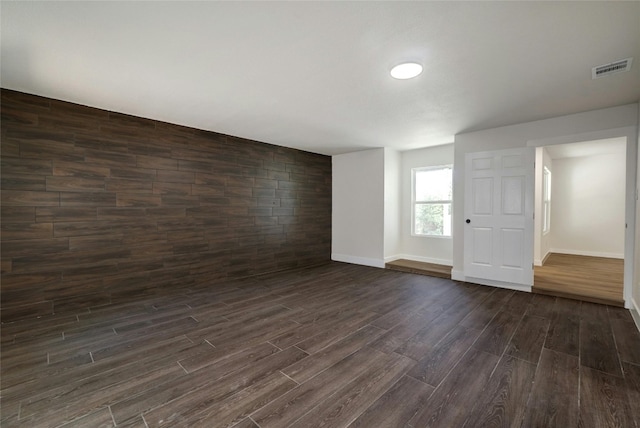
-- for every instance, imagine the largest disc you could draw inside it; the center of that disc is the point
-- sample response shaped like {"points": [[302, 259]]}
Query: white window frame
{"points": [[414, 202], [546, 200]]}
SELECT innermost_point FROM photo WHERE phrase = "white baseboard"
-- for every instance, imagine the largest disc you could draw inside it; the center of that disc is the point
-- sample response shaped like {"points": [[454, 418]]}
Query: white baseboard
{"points": [[538, 262], [411, 257], [457, 275], [588, 253], [635, 312], [377, 263]]}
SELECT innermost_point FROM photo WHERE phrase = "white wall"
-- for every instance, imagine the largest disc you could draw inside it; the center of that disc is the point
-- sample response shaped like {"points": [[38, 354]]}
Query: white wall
{"points": [[392, 204], [427, 249], [357, 231], [587, 209], [593, 125], [542, 241], [372, 207]]}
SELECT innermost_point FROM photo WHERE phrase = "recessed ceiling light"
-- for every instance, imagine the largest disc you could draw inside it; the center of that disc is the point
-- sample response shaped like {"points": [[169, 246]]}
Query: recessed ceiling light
{"points": [[406, 70]]}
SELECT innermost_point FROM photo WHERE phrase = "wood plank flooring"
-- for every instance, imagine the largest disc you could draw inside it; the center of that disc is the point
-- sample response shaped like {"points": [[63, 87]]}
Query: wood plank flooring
{"points": [[337, 345], [420, 268], [593, 279]]}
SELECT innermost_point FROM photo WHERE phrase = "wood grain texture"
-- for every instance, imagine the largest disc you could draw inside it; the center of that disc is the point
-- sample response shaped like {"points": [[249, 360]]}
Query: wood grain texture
{"points": [[554, 398], [603, 402], [501, 403], [353, 399], [598, 347], [100, 418], [328, 356], [564, 330], [396, 407], [423, 340], [632, 378], [449, 404], [497, 335], [420, 268], [484, 313], [626, 335], [195, 401], [239, 405], [444, 355], [108, 181], [298, 402], [528, 339], [594, 279], [294, 348]]}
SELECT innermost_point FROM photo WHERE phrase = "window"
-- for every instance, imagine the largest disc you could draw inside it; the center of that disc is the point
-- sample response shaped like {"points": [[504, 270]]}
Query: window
{"points": [[546, 198], [431, 197]]}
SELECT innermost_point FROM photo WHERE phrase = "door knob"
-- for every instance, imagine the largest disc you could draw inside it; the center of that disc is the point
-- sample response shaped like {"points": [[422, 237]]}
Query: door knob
{"points": [[468, 221]]}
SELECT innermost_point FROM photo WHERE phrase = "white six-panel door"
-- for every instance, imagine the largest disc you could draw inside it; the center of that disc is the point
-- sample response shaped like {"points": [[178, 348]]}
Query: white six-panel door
{"points": [[498, 230]]}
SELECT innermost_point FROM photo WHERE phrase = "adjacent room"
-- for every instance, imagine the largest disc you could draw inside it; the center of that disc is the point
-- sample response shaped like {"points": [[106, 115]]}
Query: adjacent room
{"points": [[319, 214], [579, 231]]}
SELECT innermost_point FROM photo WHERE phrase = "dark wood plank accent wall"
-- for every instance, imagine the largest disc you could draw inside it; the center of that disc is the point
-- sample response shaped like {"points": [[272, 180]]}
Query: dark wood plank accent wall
{"points": [[99, 207]]}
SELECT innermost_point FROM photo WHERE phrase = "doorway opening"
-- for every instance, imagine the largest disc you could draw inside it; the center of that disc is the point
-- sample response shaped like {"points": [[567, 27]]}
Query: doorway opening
{"points": [[579, 227]]}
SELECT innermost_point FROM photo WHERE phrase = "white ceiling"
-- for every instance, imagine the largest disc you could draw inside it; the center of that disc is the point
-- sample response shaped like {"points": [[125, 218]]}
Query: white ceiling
{"points": [[315, 75]]}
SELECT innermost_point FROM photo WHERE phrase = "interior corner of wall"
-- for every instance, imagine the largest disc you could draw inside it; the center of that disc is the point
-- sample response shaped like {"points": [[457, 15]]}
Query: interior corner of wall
{"points": [[392, 258]]}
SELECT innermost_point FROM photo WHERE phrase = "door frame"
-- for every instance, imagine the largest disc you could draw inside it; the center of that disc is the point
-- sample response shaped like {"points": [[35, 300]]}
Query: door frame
{"points": [[628, 132]]}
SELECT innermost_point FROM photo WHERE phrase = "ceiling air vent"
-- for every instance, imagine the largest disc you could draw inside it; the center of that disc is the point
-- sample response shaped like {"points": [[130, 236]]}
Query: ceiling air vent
{"points": [[612, 68]]}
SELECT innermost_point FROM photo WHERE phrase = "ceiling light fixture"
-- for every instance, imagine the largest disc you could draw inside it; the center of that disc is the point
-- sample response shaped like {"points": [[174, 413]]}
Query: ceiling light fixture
{"points": [[407, 70]]}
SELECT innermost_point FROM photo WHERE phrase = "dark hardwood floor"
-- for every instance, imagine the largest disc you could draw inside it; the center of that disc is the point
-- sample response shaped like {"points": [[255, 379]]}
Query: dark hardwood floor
{"points": [[334, 346]]}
